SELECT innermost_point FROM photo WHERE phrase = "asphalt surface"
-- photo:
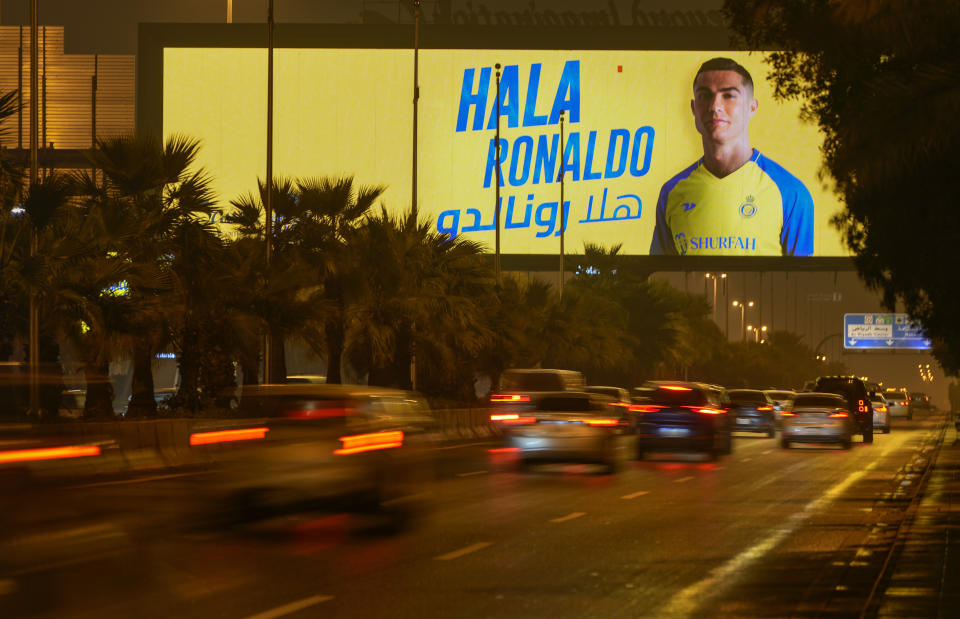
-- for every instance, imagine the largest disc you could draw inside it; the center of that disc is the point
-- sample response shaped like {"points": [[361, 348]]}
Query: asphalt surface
{"points": [[765, 532]]}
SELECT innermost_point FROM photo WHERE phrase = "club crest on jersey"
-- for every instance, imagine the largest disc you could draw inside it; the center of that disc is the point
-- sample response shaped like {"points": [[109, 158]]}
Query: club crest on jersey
{"points": [[681, 240], [748, 208]]}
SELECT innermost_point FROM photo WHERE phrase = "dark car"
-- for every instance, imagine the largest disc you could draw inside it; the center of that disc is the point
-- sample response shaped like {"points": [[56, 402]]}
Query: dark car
{"points": [[917, 401], [855, 393], [341, 448], [680, 416], [753, 411]]}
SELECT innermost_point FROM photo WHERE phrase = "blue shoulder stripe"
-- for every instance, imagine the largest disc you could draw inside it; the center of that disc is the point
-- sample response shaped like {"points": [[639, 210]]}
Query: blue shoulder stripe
{"points": [[796, 236], [662, 242]]}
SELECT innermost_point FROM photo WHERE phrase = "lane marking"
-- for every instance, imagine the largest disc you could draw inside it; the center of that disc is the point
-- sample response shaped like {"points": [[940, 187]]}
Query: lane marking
{"points": [[466, 445], [568, 517], [769, 451], [686, 602], [746, 459], [463, 551], [292, 607], [634, 494], [138, 480], [471, 473], [682, 479]]}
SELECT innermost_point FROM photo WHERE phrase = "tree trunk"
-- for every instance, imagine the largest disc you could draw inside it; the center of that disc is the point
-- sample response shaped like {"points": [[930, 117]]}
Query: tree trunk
{"points": [[51, 385], [335, 343], [278, 359], [142, 400], [188, 395], [99, 402]]}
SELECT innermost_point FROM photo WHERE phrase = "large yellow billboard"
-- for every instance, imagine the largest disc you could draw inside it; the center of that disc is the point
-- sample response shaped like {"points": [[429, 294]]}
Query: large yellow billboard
{"points": [[630, 157]]}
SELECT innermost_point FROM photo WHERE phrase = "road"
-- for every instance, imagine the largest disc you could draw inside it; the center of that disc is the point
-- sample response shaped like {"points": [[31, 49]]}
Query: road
{"points": [[763, 532]]}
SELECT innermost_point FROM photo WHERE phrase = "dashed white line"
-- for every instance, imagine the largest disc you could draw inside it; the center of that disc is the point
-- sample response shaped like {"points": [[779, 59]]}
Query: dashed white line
{"points": [[456, 554], [472, 473], [568, 517], [745, 459], [769, 451], [682, 479], [634, 495], [292, 607], [137, 480]]}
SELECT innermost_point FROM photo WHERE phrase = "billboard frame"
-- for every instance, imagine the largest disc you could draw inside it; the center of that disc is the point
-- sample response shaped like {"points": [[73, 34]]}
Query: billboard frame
{"points": [[154, 37]]}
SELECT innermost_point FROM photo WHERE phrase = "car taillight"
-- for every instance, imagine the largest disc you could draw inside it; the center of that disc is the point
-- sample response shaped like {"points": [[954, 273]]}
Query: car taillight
{"points": [[764, 408], [603, 423], [48, 453], [710, 411], [645, 408], [620, 404], [316, 413], [513, 419], [228, 436], [787, 414], [838, 414], [880, 408], [675, 388], [497, 397], [357, 443]]}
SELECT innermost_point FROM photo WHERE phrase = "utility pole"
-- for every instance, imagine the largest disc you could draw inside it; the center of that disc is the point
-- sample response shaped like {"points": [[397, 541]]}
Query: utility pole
{"points": [[268, 207]]}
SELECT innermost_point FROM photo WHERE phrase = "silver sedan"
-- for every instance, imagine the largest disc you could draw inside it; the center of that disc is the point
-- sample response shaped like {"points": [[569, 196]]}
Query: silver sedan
{"points": [[818, 418]]}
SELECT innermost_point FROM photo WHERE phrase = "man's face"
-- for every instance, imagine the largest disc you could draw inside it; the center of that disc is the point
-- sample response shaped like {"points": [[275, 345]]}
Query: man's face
{"points": [[722, 106]]}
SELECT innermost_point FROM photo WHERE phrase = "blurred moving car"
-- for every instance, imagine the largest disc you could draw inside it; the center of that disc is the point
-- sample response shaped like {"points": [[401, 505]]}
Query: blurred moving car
{"points": [[571, 427], [918, 401], [752, 411], [818, 418], [881, 414], [679, 416], [782, 400], [897, 404], [858, 401], [306, 379], [327, 447], [522, 389]]}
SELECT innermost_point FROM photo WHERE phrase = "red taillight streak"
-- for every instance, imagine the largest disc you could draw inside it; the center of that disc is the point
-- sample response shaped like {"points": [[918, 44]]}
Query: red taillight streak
{"points": [[509, 398], [675, 388], [358, 443], [621, 404], [646, 408], [49, 453], [602, 422], [764, 408], [504, 417], [710, 411], [227, 436], [880, 408], [838, 414], [519, 421], [787, 414]]}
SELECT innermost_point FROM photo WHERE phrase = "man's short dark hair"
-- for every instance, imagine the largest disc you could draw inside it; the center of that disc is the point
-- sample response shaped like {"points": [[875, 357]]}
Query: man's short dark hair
{"points": [[725, 64]]}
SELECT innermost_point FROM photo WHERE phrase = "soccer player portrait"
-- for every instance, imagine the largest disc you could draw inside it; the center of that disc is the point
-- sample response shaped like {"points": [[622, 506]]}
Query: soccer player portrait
{"points": [[734, 201]]}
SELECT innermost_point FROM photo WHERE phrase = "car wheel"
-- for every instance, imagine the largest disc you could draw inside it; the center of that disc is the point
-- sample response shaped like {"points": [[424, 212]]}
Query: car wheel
{"points": [[784, 443], [868, 435], [772, 432]]}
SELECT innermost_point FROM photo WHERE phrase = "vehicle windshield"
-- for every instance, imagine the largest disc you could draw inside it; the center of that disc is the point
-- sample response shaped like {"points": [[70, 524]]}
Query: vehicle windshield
{"points": [[747, 396], [678, 396]]}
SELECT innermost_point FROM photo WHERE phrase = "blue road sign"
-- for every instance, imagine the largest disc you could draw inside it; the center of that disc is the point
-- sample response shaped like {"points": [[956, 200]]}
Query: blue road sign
{"points": [[883, 332]]}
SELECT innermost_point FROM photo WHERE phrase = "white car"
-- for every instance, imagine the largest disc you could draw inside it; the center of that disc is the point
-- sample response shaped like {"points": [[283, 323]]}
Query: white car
{"points": [[881, 414], [897, 404]]}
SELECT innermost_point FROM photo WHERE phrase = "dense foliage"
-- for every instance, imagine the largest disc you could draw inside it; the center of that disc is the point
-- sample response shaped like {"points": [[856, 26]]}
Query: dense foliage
{"points": [[882, 80]]}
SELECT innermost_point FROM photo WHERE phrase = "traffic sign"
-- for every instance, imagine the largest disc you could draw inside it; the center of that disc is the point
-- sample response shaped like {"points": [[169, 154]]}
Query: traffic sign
{"points": [[883, 332]]}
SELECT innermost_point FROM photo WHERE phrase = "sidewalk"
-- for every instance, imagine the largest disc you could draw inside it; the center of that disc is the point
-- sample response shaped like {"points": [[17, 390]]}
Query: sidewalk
{"points": [[924, 576]]}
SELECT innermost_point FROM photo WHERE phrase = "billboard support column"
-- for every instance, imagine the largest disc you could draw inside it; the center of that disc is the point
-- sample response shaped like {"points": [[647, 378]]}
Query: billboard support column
{"points": [[416, 99], [33, 319], [562, 222], [496, 184]]}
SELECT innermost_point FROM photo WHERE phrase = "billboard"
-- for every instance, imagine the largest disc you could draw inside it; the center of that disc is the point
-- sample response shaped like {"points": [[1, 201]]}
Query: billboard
{"points": [[629, 159]]}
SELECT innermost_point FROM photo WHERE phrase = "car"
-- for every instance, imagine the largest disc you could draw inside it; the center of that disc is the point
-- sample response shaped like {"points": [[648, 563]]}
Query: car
{"points": [[881, 414], [752, 411], [571, 427], [897, 404], [858, 401], [818, 418], [521, 389], [676, 416], [618, 396], [918, 401], [341, 448]]}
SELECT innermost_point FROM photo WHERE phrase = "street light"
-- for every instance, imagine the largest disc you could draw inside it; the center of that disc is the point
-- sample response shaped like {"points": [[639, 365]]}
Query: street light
{"points": [[757, 331], [743, 309], [714, 277]]}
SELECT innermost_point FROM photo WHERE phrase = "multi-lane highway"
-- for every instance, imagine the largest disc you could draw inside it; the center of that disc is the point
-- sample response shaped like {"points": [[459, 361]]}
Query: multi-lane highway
{"points": [[763, 532]]}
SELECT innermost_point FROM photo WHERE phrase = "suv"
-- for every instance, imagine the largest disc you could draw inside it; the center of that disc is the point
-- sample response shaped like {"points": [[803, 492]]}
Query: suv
{"points": [[918, 400], [858, 399], [521, 390]]}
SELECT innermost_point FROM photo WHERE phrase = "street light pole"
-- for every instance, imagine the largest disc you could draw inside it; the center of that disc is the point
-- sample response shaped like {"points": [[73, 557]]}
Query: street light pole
{"points": [[713, 276], [743, 309], [416, 99], [268, 207], [33, 357], [496, 184], [562, 222]]}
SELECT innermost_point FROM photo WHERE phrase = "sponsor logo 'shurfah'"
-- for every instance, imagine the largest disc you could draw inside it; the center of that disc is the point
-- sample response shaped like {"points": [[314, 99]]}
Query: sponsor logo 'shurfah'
{"points": [[587, 153]]}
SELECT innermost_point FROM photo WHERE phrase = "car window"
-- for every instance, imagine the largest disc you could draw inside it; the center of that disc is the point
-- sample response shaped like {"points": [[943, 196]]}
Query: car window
{"points": [[531, 381], [743, 396], [679, 396], [898, 397], [573, 405]]}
